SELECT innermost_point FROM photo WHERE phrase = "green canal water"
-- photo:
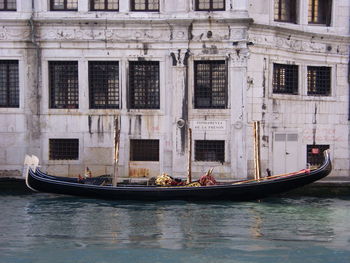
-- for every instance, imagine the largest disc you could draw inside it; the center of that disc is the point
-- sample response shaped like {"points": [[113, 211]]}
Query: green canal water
{"points": [[50, 228]]}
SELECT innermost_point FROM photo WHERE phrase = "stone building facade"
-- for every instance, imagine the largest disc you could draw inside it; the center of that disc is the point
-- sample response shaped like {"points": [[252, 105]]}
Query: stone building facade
{"points": [[75, 72]]}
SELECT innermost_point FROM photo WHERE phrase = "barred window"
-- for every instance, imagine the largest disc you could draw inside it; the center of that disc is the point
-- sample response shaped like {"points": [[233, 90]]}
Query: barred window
{"points": [[319, 81], [285, 10], [63, 149], [104, 5], [64, 89], [285, 79], [104, 84], [144, 84], [8, 5], [210, 87], [145, 5], [144, 150], [314, 155], [210, 5], [64, 5], [9, 84], [212, 151]]}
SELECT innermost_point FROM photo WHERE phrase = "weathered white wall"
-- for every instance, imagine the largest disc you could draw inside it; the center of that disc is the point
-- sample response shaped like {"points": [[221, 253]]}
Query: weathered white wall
{"points": [[125, 36]]}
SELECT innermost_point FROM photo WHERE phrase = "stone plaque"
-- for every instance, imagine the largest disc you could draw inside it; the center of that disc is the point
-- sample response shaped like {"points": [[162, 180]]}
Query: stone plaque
{"points": [[209, 125]]}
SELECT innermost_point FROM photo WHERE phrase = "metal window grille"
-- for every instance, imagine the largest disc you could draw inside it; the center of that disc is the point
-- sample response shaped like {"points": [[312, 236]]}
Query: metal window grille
{"points": [[213, 151], [63, 149], [285, 79], [319, 81], [144, 150], [285, 11], [145, 5], [64, 89], [210, 5], [104, 5], [314, 155], [64, 5], [210, 87], [8, 5], [104, 84], [144, 84], [320, 12], [9, 84]]}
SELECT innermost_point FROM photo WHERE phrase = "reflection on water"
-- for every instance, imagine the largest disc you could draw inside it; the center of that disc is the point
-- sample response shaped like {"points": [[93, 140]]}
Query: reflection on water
{"points": [[51, 228]]}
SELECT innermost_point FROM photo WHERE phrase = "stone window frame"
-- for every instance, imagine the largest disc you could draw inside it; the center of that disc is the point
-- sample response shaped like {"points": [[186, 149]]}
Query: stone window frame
{"points": [[131, 89], [144, 150], [209, 151], [63, 149], [11, 75], [325, 86], [6, 3], [291, 85], [195, 84], [106, 8], [102, 77], [65, 5], [56, 84], [146, 9], [314, 16], [293, 16], [211, 4]]}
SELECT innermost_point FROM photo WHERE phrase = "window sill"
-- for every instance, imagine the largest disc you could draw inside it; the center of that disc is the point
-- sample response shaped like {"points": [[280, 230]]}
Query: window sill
{"points": [[302, 97]]}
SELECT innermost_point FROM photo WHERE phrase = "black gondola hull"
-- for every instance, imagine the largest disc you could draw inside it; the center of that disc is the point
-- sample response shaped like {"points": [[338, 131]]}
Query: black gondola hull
{"points": [[236, 191]]}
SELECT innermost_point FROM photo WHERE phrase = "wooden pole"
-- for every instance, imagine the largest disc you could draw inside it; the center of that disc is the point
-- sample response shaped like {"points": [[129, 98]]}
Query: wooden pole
{"points": [[116, 151], [189, 172], [257, 166]]}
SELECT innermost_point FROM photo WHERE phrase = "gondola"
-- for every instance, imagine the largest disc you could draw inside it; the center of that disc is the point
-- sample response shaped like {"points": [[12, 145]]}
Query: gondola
{"points": [[236, 191]]}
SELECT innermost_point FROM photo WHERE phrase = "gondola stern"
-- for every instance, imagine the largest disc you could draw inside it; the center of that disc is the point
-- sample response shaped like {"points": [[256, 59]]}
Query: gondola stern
{"points": [[31, 163]]}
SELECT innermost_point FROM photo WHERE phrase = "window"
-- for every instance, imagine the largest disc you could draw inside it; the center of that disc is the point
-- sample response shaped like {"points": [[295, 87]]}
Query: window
{"points": [[9, 84], [319, 81], [145, 5], [285, 11], [320, 12], [64, 5], [63, 81], [144, 84], [104, 5], [213, 151], [210, 5], [8, 5], [104, 84], [315, 155], [144, 150], [210, 87], [285, 79], [63, 149]]}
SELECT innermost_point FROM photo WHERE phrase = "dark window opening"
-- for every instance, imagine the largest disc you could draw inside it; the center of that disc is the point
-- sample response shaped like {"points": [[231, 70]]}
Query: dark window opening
{"points": [[144, 84], [104, 5], [63, 149], [104, 84], [8, 5], [210, 84], [319, 81], [320, 12], [64, 89], [285, 79], [63, 5], [315, 156], [144, 150], [210, 5], [213, 151], [285, 11], [9, 84], [145, 5]]}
